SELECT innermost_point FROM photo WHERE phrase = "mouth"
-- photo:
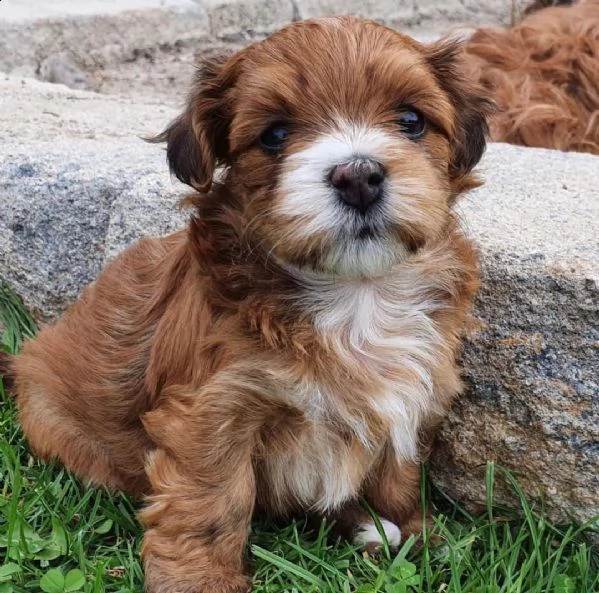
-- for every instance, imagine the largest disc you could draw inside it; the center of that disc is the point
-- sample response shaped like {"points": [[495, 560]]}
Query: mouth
{"points": [[363, 228]]}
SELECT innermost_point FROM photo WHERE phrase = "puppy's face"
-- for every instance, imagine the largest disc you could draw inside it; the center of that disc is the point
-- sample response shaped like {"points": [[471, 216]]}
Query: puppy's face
{"points": [[344, 141]]}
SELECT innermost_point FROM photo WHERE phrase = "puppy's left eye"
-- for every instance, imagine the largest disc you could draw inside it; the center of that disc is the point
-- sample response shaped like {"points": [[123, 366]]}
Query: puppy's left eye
{"points": [[412, 123], [274, 137]]}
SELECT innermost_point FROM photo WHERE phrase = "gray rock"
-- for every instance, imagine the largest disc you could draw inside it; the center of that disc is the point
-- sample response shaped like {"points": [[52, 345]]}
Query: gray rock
{"points": [[34, 110], [248, 19], [99, 33], [532, 368], [60, 68], [423, 14], [148, 49], [532, 398], [68, 206], [153, 211], [94, 34]]}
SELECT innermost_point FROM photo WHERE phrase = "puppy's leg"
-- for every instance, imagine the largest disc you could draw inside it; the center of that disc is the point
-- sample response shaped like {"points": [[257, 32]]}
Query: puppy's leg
{"points": [[394, 493], [56, 428], [203, 483]]}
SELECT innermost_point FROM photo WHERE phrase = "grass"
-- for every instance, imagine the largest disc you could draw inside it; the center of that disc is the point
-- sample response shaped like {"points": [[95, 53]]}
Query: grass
{"points": [[58, 536]]}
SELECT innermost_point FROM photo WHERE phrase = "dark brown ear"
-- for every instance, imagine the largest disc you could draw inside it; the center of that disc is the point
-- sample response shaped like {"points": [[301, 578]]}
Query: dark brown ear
{"points": [[197, 141], [472, 104]]}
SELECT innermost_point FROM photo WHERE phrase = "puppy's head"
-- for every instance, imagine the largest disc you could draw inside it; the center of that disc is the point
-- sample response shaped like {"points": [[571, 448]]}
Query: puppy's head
{"points": [[344, 141]]}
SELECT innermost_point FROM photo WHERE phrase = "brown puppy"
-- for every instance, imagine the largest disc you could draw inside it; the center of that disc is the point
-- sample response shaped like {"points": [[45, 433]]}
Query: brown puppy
{"points": [[295, 346], [544, 76]]}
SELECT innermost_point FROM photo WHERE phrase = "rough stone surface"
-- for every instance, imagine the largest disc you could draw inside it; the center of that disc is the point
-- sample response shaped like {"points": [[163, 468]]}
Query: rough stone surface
{"points": [[425, 13], [60, 68], [532, 368], [132, 47], [68, 206], [248, 19], [31, 10], [33, 110], [532, 399], [94, 39], [97, 34]]}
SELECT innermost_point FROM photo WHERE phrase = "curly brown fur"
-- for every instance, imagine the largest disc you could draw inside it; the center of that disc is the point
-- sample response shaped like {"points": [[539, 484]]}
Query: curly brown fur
{"points": [[544, 76]]}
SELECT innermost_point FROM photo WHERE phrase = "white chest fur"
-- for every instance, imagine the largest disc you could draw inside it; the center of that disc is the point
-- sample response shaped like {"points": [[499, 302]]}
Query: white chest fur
{"points": [[386, 329]]}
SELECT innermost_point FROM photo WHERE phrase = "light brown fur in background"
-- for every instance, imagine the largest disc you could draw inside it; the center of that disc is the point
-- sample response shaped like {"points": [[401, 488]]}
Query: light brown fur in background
{"points": [[543, 74], [200, 372]]}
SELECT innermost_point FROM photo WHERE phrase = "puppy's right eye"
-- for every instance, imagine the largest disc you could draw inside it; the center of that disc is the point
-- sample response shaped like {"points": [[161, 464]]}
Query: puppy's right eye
{"points": [[274, 137], [412, 123]]}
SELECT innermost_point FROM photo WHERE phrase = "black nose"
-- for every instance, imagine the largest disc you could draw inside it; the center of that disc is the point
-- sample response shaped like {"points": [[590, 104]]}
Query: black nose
{"points": [[359, 183]]}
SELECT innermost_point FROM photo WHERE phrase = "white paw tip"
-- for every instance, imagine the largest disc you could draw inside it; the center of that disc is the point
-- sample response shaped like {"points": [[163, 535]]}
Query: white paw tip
{"points": [[368, 534]]}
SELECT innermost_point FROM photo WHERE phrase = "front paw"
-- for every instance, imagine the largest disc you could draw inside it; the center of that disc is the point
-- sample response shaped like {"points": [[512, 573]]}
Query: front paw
{"points": [[201, 584], [368, 536]]}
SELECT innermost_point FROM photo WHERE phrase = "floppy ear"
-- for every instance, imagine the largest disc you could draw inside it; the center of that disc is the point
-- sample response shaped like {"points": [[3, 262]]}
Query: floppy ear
{"points": [[197, 141], [471, 102]]}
